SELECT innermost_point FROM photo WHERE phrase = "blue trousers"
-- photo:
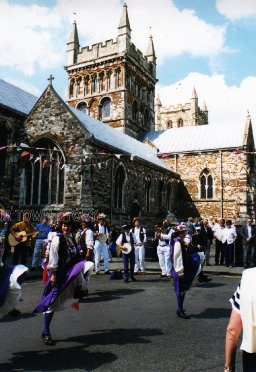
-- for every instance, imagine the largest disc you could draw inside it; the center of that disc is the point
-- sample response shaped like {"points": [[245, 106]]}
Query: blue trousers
{"points": [[128, 258]]}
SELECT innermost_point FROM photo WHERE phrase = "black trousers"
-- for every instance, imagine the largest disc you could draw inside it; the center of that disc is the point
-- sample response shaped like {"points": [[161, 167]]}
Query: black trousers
{"points": [[219, 252], [249, 252], [249, 362], [20, 253]]}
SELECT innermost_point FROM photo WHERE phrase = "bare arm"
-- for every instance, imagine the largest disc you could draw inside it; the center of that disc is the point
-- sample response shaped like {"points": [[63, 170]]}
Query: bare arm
{"points": [[233, 332]]}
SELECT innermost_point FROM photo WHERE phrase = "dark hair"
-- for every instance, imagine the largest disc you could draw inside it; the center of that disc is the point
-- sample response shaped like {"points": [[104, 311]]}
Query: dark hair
{"points": [[229, 222]]}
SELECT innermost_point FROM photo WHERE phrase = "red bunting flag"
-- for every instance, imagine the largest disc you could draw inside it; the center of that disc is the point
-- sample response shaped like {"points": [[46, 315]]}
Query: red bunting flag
{"points": [[163, 156], [3, 148], [238, 152], [25, 153], [71, 149], [75, 306]]}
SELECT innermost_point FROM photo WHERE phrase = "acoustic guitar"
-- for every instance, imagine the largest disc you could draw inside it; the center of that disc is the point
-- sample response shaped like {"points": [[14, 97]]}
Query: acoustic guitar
{"points": [[22, 234]]}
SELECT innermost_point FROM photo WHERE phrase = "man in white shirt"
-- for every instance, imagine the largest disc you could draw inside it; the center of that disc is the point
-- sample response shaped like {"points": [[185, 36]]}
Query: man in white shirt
{"points": [[163, 236], [140, 239], [100, 246], [229, 237]]}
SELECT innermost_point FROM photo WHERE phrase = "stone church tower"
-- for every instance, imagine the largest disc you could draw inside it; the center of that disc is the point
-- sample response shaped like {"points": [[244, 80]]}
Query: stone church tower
{"points": [[113, 81], [181, 115]]}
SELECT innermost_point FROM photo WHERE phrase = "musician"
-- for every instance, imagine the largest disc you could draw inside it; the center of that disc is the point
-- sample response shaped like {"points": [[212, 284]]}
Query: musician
{"points": [[163, 236], [43, 229], [85, 240], [127, 237], [185, 267], [100, 245], [67, 272], [140, 239], [21, 249]]}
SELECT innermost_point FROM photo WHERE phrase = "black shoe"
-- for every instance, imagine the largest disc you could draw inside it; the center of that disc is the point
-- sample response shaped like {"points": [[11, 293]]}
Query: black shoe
{"points": [[83, 293], [162, 276], [14, 312], [97, 273], [133, 279], [183, 314], [48, 340], [126, 281], [204, 279], [107, 272]]}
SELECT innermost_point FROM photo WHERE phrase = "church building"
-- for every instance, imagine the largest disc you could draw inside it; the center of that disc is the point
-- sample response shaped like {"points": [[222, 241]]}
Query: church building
{"points": [[110, 149]]}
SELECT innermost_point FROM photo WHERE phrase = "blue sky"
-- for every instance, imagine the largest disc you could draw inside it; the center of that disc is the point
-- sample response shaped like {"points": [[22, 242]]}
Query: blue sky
{"points": [[209, 44]]}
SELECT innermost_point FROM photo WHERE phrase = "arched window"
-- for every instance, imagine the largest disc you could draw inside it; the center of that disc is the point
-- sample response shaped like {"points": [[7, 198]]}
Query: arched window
{"points": [[94, 83], [119, 188], [82, 107], [3, 142], [134, 111], [108, 83], [169, 197], [105, 108], [180, 123], [169, 124], [71, 88], [44, 178], [146, 119], [206, 185], [148, 194]]}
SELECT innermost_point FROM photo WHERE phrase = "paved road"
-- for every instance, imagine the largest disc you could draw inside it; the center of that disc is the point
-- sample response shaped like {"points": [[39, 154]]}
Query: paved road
{"points": [[123, 327]]}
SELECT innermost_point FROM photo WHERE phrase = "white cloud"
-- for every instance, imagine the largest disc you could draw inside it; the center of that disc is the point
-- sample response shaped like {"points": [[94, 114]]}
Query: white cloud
{"points": [[175, 32], [226, 104], [236, 9], [27, 37], [25, 86]]}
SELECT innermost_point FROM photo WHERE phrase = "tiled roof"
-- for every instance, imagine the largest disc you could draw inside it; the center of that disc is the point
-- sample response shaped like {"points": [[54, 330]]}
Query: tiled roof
{"points": [[197, 138], [16, 98], [120, 141]]}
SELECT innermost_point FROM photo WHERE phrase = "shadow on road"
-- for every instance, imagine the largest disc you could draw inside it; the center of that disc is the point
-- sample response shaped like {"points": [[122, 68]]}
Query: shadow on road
{"points": [[11, 319], [119, 336], [77, 357], [53, 359], [213, 313], [115, 294]]}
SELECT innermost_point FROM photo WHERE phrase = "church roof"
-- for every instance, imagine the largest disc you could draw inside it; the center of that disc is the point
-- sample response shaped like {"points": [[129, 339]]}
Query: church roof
{"points": [[197, 138], [120, 141], [16, 98]]}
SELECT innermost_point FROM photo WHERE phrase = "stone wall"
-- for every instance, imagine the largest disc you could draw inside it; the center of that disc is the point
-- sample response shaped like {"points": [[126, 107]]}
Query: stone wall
{"points": [[90, 178], [232, 196]]}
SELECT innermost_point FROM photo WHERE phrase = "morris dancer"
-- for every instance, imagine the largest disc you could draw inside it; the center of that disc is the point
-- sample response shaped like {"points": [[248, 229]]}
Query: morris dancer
{"points": [[185, 267], [101, 247], [127, 237], [11, 278], [140, 239], [67, 272]]}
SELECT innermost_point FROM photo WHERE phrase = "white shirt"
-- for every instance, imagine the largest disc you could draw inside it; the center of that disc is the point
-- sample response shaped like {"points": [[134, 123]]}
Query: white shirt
{"points": [[249, 231], [177, 258], [54, 252], [102, 229], [136, 235], [244, 303], [127, 235], [164, 237], [229, 235], [88, 236]]}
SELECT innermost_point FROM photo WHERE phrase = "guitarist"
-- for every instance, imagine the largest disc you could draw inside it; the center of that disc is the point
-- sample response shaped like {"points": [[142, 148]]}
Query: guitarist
{"points": [[21, 249]]}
